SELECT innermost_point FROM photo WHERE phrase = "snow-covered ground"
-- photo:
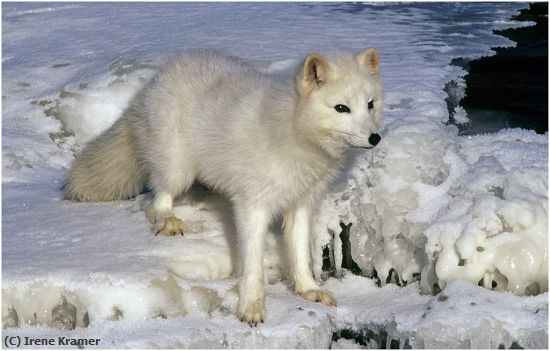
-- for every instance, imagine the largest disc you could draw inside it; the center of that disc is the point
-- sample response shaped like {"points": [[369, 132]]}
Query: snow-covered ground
{"points": [[455, 209]]}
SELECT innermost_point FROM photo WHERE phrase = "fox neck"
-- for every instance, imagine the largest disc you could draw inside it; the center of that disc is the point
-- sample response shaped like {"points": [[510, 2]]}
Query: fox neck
{"points": [[299, 148]]}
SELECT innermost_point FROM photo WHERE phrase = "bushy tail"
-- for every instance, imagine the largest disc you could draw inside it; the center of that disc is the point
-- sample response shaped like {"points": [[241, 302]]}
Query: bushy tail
{"points": [[108, 168]]}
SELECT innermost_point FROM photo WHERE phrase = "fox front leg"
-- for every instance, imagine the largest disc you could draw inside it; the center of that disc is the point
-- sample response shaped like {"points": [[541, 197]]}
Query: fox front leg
{"points": [[252, 224], [296, 229]]}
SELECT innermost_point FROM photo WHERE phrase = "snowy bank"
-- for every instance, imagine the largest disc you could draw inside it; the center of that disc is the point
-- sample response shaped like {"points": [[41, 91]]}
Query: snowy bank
{"points": [[425, 204]]}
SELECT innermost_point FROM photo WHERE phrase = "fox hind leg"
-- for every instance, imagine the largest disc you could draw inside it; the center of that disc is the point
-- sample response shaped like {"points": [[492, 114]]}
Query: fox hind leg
{"points": [[171, 177], [162, 217]]}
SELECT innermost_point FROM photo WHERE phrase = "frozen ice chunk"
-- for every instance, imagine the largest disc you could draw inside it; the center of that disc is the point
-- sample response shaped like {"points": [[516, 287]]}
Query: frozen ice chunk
{"points": [[424, 204], [11, 319], [64, 315]]}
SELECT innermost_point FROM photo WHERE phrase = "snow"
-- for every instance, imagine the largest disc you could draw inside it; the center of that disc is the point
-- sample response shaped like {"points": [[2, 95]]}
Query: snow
{"points": [[423, 201], [462, 316]]}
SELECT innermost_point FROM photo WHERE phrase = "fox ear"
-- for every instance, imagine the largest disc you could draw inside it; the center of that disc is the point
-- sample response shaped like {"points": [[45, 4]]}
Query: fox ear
{"points": [[315, 70], [370, 60]]}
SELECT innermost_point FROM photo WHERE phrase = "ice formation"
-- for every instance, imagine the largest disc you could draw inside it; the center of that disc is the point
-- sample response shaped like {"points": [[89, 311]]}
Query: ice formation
{"points": [[431, 205], [431, 210], [463, 316]]}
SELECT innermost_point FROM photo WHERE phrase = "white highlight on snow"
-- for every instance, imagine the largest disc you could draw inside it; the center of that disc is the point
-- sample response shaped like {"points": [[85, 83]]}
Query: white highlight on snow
{"points": [[98, 103], [460, 116]]}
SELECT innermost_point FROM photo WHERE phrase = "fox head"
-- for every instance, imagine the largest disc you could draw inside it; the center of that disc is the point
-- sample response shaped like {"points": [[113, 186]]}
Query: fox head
{"points": [[340, 100]]}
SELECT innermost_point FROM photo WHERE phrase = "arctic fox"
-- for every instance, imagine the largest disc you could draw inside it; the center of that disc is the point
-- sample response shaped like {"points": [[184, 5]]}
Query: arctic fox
{"points": [[270, 145]]}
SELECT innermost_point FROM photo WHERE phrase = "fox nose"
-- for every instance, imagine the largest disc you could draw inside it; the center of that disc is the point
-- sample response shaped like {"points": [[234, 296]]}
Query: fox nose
{"points": [[374, 139]]}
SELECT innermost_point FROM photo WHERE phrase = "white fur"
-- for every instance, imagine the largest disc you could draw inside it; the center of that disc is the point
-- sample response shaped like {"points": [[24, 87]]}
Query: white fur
{"points": [[270, 146]]}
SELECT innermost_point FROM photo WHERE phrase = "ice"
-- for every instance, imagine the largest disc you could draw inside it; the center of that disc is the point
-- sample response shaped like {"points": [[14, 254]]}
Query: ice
{"points": [[434, 203], [499, 230], [470, 218], [460, 116], [208, 324], [461, 316], [421, 203]]}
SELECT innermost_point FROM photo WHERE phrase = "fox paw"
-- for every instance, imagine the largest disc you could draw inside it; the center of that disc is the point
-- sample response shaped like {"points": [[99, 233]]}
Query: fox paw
{"points": [[252, 312], [169, 226], [318, 295]]}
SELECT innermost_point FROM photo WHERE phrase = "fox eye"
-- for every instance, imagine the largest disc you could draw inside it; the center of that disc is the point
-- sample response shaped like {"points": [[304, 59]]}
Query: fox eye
{"points": [[371, 105], [342, 109]]}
